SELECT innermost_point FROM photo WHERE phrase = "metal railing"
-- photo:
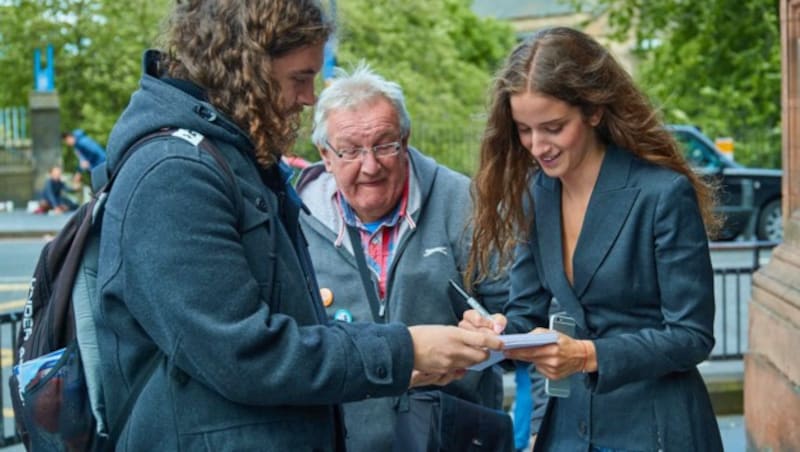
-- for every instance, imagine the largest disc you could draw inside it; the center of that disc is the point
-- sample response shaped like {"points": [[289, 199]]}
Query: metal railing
{"points": [[15, 144], [14, 127], [9, 325], [732, 288]]}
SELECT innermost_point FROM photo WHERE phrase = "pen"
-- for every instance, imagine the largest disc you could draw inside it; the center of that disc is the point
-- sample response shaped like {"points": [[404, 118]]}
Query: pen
{"points": [[473, 303]]}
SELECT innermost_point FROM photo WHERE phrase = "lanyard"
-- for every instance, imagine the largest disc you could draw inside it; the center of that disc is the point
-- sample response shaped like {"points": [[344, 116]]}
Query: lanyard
{"points": [[378, 308]]}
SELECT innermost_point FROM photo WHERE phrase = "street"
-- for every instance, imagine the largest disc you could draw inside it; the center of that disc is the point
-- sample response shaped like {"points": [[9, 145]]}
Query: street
{"points": [[17, 261]]}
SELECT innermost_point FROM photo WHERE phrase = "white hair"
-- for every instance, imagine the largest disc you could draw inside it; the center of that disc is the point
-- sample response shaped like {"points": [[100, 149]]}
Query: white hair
{"points": [[348, 91]]}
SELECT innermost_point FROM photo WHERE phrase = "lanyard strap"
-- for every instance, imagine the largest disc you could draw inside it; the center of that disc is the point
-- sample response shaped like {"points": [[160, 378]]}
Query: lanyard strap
{"points": [[377, 308]]}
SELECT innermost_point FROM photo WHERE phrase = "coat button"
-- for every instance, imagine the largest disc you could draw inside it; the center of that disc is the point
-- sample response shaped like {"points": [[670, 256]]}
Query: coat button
{"points": [[381, 371], [261, 204]]}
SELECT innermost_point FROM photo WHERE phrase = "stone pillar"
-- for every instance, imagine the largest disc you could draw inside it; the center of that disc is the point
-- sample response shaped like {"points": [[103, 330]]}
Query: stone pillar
{"points": [[45, 134], [772, 365]]}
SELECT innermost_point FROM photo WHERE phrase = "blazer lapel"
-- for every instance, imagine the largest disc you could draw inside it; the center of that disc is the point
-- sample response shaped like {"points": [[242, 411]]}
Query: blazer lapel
{"points": [[547, 223], [608, 209]]}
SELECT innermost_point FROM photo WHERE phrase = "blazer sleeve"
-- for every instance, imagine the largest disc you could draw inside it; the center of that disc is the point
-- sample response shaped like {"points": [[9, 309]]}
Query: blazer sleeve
{"points": [[686, 285]]}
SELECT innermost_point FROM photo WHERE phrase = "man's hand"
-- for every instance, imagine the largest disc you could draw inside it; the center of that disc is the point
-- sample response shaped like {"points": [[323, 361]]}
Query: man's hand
{"points": [[440, 349]]}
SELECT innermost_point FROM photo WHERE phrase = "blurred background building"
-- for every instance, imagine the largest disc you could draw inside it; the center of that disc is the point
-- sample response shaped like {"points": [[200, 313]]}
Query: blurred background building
{"points": [[528, 16]]}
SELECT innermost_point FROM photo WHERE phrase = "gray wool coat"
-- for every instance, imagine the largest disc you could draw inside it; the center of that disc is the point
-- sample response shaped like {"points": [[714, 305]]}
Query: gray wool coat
{"points": [[226, 293], [432, 249]]}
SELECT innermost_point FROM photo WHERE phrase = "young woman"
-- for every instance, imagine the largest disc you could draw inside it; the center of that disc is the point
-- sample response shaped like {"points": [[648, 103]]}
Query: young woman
{"points": [[582, 182]]}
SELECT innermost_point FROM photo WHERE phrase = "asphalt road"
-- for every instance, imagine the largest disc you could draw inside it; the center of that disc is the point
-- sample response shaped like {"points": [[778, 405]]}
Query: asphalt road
{"points": [[17, 261]]}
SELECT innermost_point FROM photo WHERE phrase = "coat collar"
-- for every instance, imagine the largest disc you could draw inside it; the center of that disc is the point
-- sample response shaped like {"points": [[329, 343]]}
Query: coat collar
{"points": [[318, 189], [609, 205]]}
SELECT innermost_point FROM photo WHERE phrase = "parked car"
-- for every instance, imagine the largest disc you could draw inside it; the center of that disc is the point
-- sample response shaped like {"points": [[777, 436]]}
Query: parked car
{"points": [[749, 198]]}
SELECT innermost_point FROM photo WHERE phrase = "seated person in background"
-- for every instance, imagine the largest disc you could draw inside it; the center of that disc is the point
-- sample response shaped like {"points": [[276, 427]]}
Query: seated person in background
{"points": [[52, 197], [89, 152], [410, 215]]}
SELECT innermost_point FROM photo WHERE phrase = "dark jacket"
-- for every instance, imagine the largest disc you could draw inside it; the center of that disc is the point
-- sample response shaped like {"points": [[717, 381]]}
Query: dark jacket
{"points": [[88, 149], [643, 292], [432, 249], [227, 294]]}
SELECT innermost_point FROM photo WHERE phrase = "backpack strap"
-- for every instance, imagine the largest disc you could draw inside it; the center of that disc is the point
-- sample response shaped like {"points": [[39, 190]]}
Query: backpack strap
{"points": [[102, 179], [105, 181]]}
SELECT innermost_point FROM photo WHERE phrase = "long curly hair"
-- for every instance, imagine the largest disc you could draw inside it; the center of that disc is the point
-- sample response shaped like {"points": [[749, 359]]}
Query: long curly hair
{"points": [[570, 66], [227, 48]]}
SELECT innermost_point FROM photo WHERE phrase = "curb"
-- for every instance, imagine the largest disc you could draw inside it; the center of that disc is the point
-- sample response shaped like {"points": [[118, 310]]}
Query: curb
{"points": [[46, 235]]}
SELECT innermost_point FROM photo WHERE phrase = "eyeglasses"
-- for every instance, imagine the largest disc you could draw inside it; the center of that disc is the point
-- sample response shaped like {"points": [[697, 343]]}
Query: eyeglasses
{"points": [[379, 151]]}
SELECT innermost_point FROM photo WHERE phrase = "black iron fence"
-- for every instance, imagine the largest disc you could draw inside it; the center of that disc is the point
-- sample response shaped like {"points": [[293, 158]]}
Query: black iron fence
{"points": [[732, 288], [9, 325]]}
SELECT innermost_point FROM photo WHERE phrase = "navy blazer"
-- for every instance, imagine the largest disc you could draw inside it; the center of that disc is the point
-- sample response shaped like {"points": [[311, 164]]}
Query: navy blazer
{"points": [[643, 292]]}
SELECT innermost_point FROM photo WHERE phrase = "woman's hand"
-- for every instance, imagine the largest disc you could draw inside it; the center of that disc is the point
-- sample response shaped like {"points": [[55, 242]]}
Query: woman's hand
{"points": [[559, 360], [473, 321]]}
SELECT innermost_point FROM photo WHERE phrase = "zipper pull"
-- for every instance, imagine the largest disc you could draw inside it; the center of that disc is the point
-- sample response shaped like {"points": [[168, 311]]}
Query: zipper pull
{"points": [[382, 310]]}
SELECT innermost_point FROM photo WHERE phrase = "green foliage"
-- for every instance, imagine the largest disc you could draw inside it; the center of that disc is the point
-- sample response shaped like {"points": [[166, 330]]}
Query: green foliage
{"points": [[440, 52], [713, 63], [97, 44], [443, 57]]}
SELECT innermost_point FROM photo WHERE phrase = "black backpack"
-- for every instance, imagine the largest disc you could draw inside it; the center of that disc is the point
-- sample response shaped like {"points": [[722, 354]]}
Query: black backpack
{"points": [[56, 386]]}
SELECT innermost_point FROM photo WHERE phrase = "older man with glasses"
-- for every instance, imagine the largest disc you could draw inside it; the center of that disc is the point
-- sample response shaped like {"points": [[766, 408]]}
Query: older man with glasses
{"points": [[388, 229]]}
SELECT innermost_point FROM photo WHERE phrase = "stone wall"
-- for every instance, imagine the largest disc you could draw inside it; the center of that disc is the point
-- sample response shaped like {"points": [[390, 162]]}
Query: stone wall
{"points": [[772, 367], [16, 184]]}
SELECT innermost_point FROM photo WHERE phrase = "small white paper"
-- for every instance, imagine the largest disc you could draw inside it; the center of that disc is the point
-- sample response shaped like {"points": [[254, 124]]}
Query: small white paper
{"points": [[513, 341]]}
